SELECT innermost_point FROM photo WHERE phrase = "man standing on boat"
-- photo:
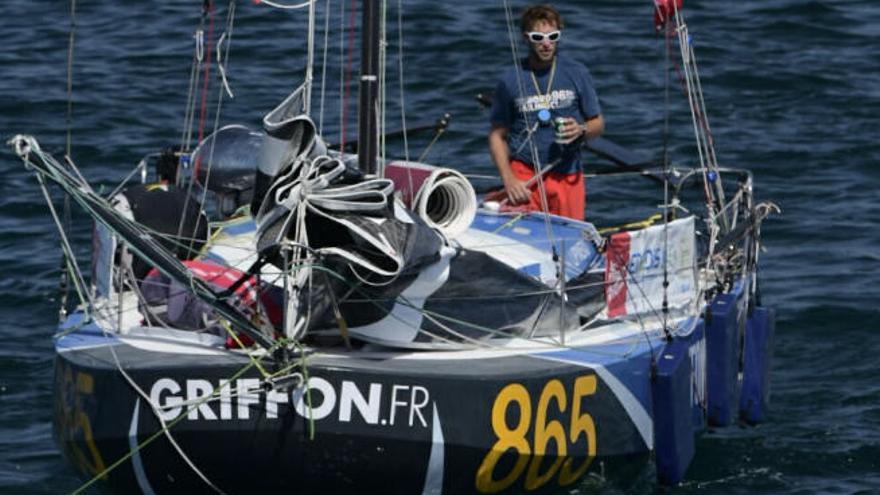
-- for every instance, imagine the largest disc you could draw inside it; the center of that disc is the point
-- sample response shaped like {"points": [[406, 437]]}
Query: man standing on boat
{"points": [[541, 111]]}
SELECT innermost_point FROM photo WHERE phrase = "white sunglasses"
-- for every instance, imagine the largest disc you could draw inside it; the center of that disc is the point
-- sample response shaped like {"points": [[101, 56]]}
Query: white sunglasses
{"points": [[539, 37]]}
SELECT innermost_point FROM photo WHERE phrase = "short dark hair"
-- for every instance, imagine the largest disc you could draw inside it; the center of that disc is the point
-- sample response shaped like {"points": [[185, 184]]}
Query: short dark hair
{"points": [[168, 164], [537, 13]]}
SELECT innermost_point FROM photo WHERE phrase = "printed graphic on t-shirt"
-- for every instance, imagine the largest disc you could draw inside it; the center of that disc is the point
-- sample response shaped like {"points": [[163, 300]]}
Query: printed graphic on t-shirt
{"points": [[558, 98]]}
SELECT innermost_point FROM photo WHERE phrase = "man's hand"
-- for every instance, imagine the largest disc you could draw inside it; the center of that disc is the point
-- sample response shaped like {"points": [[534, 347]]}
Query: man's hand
{"points": [[571, 130], [517, 192]]}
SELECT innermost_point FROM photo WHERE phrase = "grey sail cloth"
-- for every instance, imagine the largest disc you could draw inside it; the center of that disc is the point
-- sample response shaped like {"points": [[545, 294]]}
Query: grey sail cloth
{"points": [[289, 136], [325, 204]]}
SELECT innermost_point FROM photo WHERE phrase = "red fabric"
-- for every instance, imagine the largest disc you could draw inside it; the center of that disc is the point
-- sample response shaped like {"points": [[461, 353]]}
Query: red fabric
{"points": [[566, 193], [408, 179], [616, 273], [663, 11], [247, 293]]}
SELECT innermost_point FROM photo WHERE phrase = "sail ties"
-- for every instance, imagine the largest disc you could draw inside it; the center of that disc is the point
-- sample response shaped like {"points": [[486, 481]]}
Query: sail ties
{"points": [[320, 211], [324, 204]]}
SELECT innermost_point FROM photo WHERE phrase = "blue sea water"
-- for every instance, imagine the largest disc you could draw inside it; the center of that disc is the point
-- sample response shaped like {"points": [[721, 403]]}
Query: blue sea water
{"points": [[793, 92]]}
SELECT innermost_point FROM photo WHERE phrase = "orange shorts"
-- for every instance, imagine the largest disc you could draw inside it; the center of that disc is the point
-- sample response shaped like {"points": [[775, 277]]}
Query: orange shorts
{"points": [[566, 193]]}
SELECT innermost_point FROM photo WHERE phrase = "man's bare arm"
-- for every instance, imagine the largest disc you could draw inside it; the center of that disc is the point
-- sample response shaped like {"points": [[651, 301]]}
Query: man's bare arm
{"points": [[516, 190], [594, 127]]}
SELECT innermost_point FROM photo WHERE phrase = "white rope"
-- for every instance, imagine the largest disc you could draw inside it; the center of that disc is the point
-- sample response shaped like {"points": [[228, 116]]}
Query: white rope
{"points": [[221, 65], [306, 188], [286, 6], [190, 110]]}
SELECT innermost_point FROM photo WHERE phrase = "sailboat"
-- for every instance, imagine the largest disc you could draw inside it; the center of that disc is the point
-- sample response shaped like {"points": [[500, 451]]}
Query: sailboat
{"points": [[349, 324]]}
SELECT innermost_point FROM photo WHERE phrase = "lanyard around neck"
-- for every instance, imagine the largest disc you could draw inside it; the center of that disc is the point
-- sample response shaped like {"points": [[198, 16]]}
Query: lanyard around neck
{"points": [[549, 80]]}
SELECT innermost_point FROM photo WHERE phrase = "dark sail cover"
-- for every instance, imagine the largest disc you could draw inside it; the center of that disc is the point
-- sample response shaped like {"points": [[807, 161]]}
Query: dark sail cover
{"points": [[463, 299]]}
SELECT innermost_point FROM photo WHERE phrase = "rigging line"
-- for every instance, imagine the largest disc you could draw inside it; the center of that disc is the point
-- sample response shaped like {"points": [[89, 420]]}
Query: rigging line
{"points": [[72, 269], [367, 298], [710, 142], [629, 276], [76, 171], [70, 46], [230, 22], [401, 84], [203, 113], [546, 340], [666, 190], [436, 317], [402, 100], [140, 167], [232, 333], [684, 80], [341, 75], [324, 68], [405, 302], [530, 293], [382, 111], [530, 137], [430, 315], [533, 149], [165, 428], [310, 58], [698, 116], [347, 77], [440, 131], [63, 282], [222, 69], [68, 257], [189, 110]]}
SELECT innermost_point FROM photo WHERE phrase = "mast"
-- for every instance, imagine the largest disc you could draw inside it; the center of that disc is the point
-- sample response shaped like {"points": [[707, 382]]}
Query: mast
{"points": [[369, 88]]}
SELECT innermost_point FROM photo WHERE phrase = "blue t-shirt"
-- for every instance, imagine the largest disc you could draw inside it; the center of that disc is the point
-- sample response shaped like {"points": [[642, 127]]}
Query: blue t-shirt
{"points": [[571, 95]]}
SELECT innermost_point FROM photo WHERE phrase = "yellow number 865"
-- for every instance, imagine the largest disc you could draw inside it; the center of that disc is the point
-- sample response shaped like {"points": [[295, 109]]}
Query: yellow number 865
{"points": [[545, 431]]}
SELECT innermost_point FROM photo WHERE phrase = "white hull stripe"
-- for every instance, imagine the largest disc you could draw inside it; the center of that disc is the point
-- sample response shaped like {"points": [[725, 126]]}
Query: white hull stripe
{"points": [[434, 478], [632, 406], [136, 462]]}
